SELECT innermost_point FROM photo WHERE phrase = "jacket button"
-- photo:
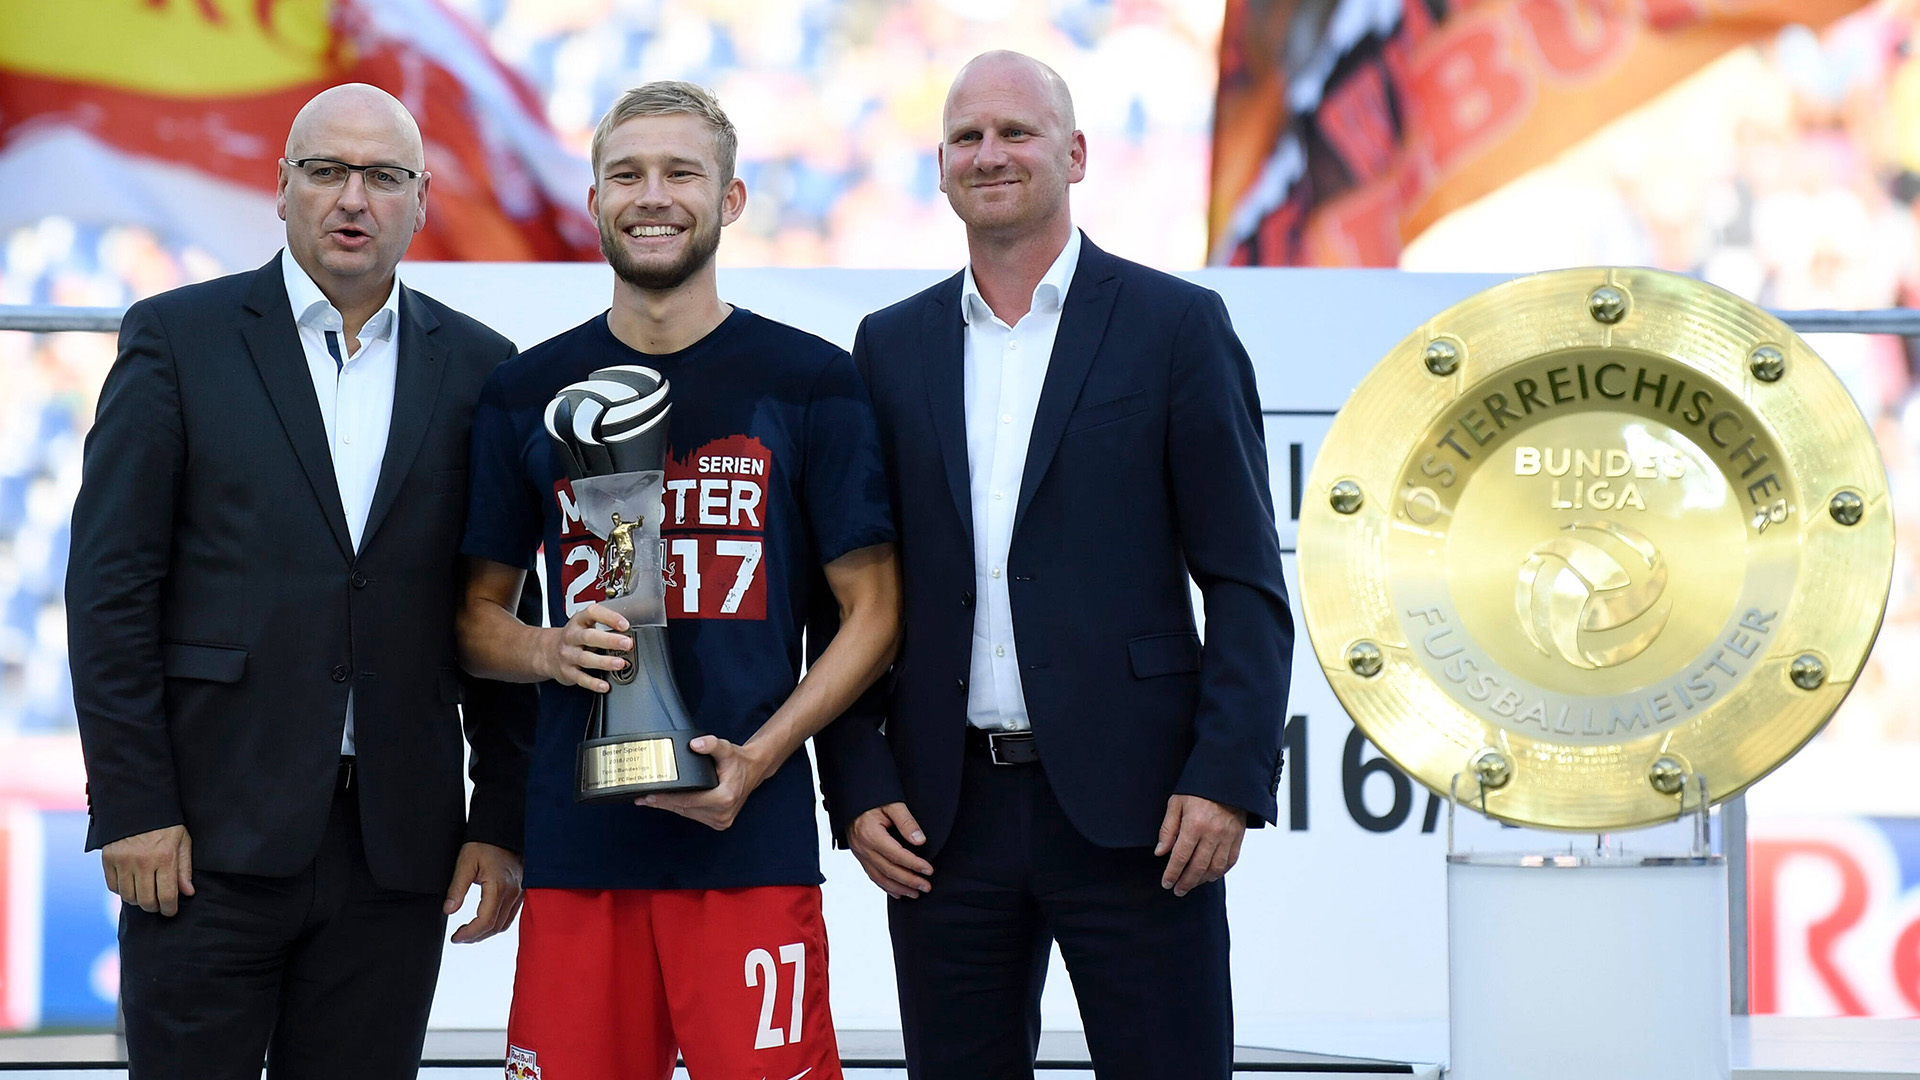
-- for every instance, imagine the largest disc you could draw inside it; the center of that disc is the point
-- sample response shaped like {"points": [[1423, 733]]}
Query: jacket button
{"points": [[359, 580], [966, 598], [339, 673], [961, 684]]}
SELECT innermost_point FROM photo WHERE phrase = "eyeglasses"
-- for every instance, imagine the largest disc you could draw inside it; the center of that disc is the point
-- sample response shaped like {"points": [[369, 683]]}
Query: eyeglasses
{"points": [[326, 173]]}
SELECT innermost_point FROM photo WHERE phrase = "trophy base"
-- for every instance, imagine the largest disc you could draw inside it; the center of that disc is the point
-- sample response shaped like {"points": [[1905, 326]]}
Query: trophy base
{"points": [[624, 767]]}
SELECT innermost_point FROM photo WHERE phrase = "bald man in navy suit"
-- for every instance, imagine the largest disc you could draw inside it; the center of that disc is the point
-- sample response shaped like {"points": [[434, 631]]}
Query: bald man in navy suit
{"points": [[1072, 438]]}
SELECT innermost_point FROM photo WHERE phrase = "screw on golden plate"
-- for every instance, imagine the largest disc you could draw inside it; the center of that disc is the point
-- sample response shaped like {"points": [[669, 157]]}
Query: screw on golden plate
{"points": [[1492, 769], [1667, 774], [1365, 659], [1345, 497], [1808, 671], [1443, 357], [1846, 507], [1767, 363], [1607, 304]]}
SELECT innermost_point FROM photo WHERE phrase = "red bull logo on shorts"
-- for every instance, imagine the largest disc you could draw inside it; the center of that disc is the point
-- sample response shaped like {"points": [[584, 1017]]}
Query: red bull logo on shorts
{"points": [[522, 1064]]}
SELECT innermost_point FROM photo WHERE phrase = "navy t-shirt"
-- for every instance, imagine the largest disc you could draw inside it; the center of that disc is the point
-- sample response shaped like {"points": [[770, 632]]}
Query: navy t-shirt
{"points": [[773, 471]]}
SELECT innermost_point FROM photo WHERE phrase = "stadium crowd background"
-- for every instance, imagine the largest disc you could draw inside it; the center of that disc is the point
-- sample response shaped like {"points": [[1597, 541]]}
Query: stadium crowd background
{"points": [[1787, 173]]}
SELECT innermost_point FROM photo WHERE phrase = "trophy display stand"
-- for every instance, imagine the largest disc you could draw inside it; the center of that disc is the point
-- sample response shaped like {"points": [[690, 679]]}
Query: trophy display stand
{"points": [[1596, 965]]}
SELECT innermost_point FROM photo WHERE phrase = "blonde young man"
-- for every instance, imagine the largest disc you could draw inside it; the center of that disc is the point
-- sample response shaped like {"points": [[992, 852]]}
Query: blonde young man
{"points": [[691, 922]]}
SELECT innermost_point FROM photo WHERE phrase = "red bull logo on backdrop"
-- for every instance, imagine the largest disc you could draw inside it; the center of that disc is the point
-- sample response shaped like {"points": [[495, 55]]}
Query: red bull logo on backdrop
{"points": [[1834, 917]]}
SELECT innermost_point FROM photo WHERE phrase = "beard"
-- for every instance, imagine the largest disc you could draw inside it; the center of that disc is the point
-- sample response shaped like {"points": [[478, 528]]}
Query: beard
{"points": [[701, 245]]}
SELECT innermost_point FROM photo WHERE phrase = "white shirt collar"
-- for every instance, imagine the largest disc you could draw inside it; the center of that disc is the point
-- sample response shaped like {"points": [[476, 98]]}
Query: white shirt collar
{"points": [[1049, 296], [312, 308]]}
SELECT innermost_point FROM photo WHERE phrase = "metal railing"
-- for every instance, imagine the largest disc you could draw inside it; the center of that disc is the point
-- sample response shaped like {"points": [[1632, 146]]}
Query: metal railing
{"points": [[50, 318], [53, 318]]}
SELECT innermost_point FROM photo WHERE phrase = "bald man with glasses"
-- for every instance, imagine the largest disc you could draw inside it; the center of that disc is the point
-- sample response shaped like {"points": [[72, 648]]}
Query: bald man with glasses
{"points": [[260, 615]]}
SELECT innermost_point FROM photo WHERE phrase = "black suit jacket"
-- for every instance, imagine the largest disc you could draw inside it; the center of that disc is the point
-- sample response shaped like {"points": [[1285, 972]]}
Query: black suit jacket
{"points": [[1147, 465], [218, 613]]}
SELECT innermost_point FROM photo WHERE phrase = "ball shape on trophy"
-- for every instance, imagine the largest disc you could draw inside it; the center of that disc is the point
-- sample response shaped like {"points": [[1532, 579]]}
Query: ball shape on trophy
{"points": [[1594, 596]]}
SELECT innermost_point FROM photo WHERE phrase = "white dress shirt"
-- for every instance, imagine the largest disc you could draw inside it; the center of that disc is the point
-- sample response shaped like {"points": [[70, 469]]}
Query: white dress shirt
{"points": [[1005, 368], [355, 390]]}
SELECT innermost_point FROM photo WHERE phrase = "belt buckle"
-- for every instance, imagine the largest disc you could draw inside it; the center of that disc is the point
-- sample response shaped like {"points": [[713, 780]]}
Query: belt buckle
{"points": [[995, 738]]}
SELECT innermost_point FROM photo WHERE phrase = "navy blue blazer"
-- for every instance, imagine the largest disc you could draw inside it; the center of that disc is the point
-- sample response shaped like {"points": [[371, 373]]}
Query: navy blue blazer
{"points": [[218, 613], [1147, 466]]}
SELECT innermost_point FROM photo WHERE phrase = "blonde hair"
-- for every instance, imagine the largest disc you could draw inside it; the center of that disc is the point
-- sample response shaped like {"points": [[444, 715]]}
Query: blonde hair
{"points": [[668, 97]]}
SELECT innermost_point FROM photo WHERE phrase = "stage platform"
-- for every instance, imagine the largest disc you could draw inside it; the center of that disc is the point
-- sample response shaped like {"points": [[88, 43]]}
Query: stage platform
{"points": [[869, 1055], [1801, 1048], [1765, 1048]]}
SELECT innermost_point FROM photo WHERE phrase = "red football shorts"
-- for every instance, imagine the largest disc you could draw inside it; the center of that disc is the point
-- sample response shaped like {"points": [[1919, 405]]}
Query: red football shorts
{"points": [[611, 982]]}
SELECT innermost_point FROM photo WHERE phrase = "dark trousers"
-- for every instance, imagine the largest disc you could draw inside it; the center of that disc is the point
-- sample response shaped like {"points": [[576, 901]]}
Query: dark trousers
{"points": [[1149, 969], [322, 974]]}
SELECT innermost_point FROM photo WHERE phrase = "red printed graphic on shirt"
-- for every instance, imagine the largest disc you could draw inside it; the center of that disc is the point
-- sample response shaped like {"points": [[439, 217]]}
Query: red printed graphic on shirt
{"points": [[715, 533], [582, 555], [715, 528]]}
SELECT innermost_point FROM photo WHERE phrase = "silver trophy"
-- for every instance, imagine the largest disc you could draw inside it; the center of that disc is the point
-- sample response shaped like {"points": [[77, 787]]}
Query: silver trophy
{"points": [[611, 434]]}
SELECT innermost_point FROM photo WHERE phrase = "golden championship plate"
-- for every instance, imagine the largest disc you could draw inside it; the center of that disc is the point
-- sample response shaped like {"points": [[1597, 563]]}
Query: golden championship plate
{"points": [[1588, 535]]}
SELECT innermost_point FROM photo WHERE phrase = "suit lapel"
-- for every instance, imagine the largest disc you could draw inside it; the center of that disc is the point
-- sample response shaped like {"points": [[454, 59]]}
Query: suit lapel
{"points": [[943, 367], [416, 387], [282, 361], [1083, 323]]}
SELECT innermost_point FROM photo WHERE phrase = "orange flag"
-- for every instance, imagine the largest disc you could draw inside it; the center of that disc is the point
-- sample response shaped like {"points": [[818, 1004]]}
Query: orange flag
{"points": [[1344, 127], [172, 113]]}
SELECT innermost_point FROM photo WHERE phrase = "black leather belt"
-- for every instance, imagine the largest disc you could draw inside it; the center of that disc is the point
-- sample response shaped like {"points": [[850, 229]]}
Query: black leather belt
{"points": [[346, 779], [1004, 747]]}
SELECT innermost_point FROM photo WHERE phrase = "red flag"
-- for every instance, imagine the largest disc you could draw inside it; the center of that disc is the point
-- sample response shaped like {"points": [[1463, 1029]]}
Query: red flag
{"points": [[1345, 127], [172, 113]]}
